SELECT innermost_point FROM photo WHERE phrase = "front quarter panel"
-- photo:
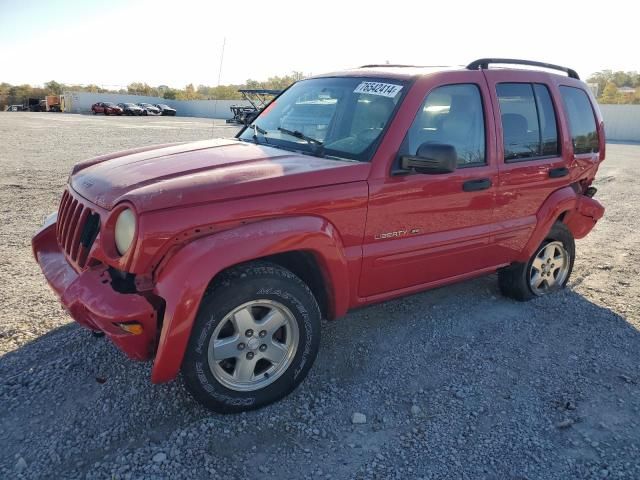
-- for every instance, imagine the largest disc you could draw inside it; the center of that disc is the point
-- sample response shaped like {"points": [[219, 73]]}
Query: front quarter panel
{"points": [[184, 279]]}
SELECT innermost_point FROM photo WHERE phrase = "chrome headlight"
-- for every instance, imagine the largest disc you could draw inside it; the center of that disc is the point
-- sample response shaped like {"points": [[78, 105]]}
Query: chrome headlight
{"points": [[49, 219], [125, 230]]}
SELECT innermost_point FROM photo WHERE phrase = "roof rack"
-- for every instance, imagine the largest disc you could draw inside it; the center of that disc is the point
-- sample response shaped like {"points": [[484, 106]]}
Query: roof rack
{"points": [[483, 64]]}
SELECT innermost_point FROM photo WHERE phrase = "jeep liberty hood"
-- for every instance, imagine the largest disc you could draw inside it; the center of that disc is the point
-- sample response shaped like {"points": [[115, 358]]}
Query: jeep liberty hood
{"points": [[209, 170]]}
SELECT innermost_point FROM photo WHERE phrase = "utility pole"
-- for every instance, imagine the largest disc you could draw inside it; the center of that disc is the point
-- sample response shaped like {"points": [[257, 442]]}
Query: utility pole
{"points": [[215, 101], [224, 41]]}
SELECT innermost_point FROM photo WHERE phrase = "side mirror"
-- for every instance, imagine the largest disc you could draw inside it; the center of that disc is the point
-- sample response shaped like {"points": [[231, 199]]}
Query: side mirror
{"points": [[431, 158]]}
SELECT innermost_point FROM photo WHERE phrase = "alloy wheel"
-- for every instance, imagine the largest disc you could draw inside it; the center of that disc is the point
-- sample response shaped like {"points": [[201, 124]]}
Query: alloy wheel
{"points": [[253, 345], [549, 269]]}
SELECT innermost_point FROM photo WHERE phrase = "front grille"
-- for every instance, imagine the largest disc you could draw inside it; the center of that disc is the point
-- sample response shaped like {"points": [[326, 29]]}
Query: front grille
{"points": [[77, 227]]}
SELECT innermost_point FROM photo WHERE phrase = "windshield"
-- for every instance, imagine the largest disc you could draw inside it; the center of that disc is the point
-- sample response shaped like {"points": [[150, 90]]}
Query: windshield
{"points": [[344, 116]]}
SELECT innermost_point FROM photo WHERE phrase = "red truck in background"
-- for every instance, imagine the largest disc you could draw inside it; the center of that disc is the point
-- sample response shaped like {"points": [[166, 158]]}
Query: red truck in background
{"points": [[218, 258]]}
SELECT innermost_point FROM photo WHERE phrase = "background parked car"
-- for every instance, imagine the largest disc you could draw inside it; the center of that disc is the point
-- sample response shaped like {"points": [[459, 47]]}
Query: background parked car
{"points": [[16, 108], [149, 109], [107, 108], [131, 109], [165, 109]]}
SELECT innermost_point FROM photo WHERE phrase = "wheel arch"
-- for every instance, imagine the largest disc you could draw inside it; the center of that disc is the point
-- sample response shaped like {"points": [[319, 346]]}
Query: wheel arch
{"points": [[308, 266], [310, 247], [555, 208]]}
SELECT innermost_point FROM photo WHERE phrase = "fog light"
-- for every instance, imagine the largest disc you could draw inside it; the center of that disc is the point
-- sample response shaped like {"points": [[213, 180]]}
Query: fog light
{"points": [[132, 328]]}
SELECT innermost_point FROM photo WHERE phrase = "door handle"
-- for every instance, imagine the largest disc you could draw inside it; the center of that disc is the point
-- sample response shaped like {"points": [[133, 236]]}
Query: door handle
{"points": [[476, 185], [558, 172]]}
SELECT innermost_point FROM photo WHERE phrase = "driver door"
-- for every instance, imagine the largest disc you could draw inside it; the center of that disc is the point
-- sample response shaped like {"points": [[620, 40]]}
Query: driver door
{"points": [[425, 229]]}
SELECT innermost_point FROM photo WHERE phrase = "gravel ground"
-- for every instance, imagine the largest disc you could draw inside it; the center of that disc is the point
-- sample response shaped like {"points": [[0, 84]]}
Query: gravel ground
{"points": [[457, 382]]}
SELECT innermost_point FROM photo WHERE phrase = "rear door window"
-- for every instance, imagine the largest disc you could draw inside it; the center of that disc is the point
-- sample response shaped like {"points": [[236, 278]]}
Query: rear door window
{"points": [[529, 126], [547, 117], [582, 122]]}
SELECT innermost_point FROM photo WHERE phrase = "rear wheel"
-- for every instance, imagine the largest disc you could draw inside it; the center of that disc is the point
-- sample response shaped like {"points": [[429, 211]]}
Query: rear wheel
{"points": [[548, 270], [255, 338]]}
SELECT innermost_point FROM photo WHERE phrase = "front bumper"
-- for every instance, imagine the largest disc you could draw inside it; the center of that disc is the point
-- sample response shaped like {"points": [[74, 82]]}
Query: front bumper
{"points": [[90, 299]]}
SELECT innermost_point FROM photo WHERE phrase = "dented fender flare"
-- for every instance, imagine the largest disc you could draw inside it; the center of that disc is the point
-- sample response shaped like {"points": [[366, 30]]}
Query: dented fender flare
{"points": [[581, 214], [185, 276]]}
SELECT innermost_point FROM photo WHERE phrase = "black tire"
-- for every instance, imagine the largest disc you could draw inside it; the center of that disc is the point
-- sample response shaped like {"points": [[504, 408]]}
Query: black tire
{"points": [[239, 285], [514, 279]]}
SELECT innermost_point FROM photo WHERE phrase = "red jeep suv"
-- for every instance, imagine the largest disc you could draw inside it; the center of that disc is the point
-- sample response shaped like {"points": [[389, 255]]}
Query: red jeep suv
{"points": [[219, 258]]}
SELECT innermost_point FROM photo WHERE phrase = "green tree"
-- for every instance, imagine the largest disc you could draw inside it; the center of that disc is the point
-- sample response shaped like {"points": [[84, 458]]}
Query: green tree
{"points": [[609, 94], [189, 93], [601, 78], [139, 88], [623, 79], [170, 94], [54, 88]]}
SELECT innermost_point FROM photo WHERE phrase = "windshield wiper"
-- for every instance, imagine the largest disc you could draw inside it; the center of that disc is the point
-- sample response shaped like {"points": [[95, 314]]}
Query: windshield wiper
{"points": [[310, 140], [257, 130]]}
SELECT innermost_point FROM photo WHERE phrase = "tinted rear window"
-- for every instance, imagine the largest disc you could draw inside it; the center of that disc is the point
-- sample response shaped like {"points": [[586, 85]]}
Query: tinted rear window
{"points": [[582, 122], [547, 116], [528, 121]]}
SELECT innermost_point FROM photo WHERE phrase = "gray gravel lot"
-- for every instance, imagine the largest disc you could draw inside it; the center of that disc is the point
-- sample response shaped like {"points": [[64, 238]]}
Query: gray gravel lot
{"points": [[457, 382]]}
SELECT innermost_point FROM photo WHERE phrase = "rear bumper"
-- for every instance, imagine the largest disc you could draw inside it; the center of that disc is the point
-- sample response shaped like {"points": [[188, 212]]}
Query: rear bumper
{"points": [[92, 302], [583, 218]]}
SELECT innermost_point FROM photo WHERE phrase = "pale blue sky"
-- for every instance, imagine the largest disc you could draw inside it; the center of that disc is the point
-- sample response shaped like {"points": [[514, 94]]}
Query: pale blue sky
{"points": [[115, 42]]}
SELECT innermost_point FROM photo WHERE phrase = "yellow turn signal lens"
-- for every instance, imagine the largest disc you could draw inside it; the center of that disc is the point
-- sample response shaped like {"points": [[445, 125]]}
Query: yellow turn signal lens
{"points": [[132, 328]]}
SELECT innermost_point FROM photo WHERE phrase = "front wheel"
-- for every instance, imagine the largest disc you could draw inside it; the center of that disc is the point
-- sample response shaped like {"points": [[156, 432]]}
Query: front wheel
{"points": [[255, 338], [547, 271]]}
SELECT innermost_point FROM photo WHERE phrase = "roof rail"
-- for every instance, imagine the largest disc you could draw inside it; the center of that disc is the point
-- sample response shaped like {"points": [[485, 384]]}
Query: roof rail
{"points": [[483, 64], [401, 66]]}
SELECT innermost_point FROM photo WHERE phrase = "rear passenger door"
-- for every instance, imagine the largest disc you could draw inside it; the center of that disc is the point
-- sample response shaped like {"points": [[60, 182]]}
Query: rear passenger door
{"points": [[531, 164]]}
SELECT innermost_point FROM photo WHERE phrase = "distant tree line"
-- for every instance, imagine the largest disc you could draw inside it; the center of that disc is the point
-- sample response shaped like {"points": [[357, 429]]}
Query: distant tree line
{"points": [[611, 89], [18, 94], [617, 87]]}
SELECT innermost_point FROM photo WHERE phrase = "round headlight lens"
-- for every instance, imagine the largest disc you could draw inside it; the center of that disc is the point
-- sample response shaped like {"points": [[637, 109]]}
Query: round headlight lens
{"points": [[125, 230]]}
